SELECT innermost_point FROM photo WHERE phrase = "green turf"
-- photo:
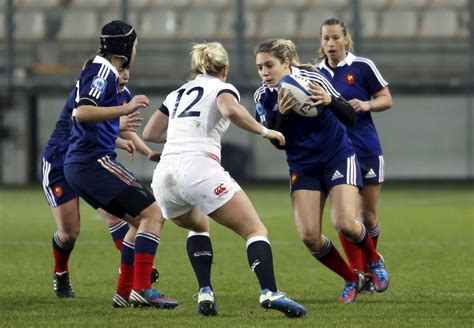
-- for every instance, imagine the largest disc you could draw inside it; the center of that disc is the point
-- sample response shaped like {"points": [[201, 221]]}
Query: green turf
{"points": [[426, 239]]}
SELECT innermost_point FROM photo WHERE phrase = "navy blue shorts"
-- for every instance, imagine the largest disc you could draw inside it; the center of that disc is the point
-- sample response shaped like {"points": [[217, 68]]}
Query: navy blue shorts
{"points": [[107, 184], [345, 172], [55, 187], [372, 169]]}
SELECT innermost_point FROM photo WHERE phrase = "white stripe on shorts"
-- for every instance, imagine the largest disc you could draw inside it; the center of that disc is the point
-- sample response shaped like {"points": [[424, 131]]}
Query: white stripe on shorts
{"points": [[381, 169], [47, 190], [351, 174]]}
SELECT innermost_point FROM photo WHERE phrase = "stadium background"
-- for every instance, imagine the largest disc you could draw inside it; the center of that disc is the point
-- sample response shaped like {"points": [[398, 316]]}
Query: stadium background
{"points": [[424, 48]]}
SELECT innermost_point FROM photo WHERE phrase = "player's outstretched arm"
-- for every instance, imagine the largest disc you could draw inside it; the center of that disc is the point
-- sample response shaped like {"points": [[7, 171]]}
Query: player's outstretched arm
{"points": [[141, 146], [238, 114], [126, 145], [156, 128], [95, 114]]}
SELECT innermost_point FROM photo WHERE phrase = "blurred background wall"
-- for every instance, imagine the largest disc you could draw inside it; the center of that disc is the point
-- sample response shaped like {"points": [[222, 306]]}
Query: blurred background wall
{"points": [[423, 48]]}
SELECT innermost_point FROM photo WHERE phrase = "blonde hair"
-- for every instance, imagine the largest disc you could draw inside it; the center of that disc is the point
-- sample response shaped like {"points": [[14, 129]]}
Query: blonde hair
{"points": [[345, 32], [281, 49], [208, 58]]}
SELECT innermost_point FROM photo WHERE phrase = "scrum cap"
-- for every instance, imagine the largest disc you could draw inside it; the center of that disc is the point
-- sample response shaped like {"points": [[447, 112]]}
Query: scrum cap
{"points": [[117, 38]]}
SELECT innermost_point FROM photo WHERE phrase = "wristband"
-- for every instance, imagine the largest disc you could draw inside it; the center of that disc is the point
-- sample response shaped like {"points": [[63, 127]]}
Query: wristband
{"points": [[371, 108], [264, 131]]}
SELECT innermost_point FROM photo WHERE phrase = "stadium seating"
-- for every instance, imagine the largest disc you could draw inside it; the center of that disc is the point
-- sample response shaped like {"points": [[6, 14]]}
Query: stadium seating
{"points": [[29, 25], [257, 4], [386, 25], [368, 20], [135, 4], [410, 3], [290, 4], [451, 3], [311, 21], [212, 3], [90, 3], [330, 3], [79, 24], [36, 3], [371, 4], [439, 22], [227, 24], [115, 13], [198, 24], [2, 25], [168, 3], [399, 23], [278, 23], [158, 24]]}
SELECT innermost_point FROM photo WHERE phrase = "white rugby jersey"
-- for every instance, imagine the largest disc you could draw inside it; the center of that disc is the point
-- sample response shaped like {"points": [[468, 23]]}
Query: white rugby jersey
{"points": [[195, 123]]}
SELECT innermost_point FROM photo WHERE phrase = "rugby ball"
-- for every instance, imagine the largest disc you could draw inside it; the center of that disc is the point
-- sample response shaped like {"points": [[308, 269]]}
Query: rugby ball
{"points": [[299, 88]]}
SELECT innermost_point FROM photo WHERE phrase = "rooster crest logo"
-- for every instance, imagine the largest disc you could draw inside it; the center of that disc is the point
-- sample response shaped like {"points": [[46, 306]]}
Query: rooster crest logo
{"points": [[350, 79], [58, 191]]}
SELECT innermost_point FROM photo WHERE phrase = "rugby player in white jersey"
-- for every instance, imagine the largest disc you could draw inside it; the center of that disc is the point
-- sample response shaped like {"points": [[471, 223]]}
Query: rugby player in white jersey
{"points": [[189, 183]]}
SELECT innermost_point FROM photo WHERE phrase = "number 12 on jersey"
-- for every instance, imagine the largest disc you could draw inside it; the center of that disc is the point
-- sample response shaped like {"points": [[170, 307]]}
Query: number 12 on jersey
{"points": [[197, 94]]}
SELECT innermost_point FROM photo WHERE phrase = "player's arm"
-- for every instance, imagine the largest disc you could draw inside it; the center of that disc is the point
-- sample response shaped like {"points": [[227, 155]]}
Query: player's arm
{"points": [[325, 96], [343, 111], [229, 107], [140, 146], [126, 145], [382, 101], [157, 126], [87, 110]]}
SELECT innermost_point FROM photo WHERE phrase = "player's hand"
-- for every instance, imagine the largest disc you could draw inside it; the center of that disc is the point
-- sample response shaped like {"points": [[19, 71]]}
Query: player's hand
{"points": [[154, 156], [130, 122], [275, 135], [286, 101], [359, 105], [126, 145], [318, 95], [137, 102]]}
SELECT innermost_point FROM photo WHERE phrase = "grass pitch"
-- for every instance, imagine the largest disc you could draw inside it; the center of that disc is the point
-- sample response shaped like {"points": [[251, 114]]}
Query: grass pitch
{"points": [[426, 239]]}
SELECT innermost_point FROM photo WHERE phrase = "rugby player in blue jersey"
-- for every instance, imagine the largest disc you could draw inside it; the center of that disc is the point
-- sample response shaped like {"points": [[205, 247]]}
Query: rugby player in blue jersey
{"points": [[64, 202], [322, 162], [93, 172], [360, 82]]}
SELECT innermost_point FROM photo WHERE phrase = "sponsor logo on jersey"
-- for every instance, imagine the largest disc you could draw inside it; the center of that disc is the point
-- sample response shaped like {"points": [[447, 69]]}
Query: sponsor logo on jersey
{"points": [[337, 175], [99, 83], [220, 190], [58, 191], [370, 174], [293, 178], [350, 78]]}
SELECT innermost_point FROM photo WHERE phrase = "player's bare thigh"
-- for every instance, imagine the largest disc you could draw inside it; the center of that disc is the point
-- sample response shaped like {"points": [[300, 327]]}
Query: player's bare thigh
{"points": [[239, 215], [193, 220], [308, 208], [68, 220]]}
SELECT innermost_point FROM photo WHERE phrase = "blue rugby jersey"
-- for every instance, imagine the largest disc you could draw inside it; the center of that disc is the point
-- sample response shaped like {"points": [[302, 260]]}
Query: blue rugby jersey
{"points": [[56, 148], [311, 142], [98, 87], [124, 97], [358, 77]]}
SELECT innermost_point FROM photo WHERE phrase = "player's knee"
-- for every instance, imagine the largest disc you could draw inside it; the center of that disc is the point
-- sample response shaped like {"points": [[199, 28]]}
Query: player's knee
{"points": [[369, 217], [69, 237], [312, 241], [347, 228]]}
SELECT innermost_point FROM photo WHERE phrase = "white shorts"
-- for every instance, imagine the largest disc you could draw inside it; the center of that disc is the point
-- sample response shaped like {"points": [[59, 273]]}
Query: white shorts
{"points": [[183, 182]]}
